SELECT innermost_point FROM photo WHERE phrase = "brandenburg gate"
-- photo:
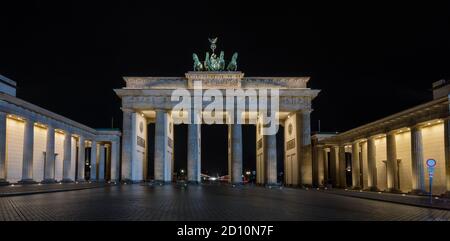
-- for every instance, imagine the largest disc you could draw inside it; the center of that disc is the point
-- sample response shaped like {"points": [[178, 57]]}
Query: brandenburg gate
{"points": [[213, 94]]}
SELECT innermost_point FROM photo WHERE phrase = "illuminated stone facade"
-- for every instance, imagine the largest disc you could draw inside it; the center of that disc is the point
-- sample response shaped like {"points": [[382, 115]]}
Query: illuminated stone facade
{"points": [[149, 100], [390, 154], [28, 133]]}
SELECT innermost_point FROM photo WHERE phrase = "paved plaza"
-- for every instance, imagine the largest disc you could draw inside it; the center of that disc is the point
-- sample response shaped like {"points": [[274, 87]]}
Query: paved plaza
{"points": [[205, 202]]}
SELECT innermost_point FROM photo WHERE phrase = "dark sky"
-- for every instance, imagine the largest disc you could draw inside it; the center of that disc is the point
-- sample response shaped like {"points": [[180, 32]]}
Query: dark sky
{"points": [[369, 60]]}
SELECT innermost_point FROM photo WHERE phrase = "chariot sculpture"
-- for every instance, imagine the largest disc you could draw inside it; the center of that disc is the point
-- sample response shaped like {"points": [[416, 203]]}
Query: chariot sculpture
{"points": [[213, 62]]}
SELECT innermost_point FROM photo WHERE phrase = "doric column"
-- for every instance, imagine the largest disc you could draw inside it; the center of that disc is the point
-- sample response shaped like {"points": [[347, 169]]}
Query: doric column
{"points": [[334, 167], [81, 158], [372, 164], [163, 157], [101, 163], [318, 166], [49, 167], [67, 162], [270, 151], [342, 167], [127, 141], [356, 172], [235, 153], [447, 153], [194, 153], [304, 142], [93, 160], [115, 165], [325, 166], [28, 144], [392, 168], [418, 180], [3, 148]]}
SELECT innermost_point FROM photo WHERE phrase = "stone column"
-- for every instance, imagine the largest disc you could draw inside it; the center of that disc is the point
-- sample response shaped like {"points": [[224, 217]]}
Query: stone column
{"points": [[304, 139], [194, 153], [418, 180], [271, 159], [372, 164], [356, 171], [101, 163], [235, 153], [163, 157], [93, 161], [3, 148], [334, 167], [325, 166], [342, 167], [49, 167], [81, 159], [115, 165], [67, 162], [392, 177], [318, 167], [127, 141], [447, 154], [28, 146]]}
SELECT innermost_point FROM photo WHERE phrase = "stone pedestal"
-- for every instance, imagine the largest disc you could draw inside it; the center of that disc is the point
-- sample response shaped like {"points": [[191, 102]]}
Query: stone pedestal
{"points": [[235, 153]]}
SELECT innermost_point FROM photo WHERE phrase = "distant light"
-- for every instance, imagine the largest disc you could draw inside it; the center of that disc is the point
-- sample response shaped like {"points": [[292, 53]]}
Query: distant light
{"points": [[39, 184], [318, 188], [379, 192], [60, 182], [248, 172], [212, 178], [428, 123], [360, 190], [12, 185], [346, 189], [403, 195], [436, 198], [326, 188]]}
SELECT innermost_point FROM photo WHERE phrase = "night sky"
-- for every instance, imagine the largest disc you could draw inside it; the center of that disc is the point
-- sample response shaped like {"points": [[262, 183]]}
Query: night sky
{"points": [[369, 60]]}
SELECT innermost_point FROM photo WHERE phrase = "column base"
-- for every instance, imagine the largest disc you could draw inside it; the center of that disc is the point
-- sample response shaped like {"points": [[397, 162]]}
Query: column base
{"points": [[3, 182], [394, 190], [356, 188], [373, 189], [162, 182], [49, 181], [272, 185], [419, 192], [194, 182], [67, 180], [446, 194], [27, 181]]}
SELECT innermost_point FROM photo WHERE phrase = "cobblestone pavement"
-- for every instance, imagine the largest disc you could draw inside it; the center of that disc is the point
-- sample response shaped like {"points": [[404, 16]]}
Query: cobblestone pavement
{"points": [[415, 200], [14, 190], [205, 202]]}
